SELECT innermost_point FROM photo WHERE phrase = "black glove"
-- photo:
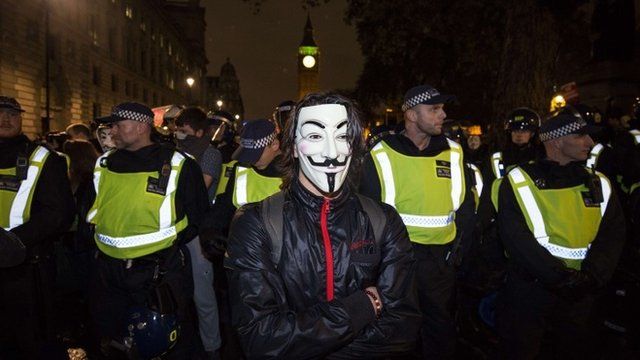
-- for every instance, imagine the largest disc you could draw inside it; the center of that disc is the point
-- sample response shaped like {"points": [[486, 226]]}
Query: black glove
{"points": [[12, 250], [213, 243], [576, 286]]}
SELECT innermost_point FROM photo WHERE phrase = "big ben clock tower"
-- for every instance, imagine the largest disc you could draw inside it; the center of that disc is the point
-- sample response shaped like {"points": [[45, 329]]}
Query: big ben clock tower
{"points": [[308, 63]]}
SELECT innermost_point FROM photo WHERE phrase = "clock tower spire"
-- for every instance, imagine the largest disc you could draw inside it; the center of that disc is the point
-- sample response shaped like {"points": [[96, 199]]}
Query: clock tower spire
{"points": [[308, 62]]}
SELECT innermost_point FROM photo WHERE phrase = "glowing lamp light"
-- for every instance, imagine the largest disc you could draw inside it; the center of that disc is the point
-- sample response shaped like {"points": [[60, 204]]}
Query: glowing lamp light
{"points": [[190, 81]]}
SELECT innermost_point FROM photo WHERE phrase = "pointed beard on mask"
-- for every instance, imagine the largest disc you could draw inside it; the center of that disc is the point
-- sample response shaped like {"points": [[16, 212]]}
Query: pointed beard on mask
{"points": [[324, 181]]}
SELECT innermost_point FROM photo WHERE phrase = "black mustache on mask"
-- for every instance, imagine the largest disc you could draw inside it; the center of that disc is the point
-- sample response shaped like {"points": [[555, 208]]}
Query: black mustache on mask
{"points": [[329, 162]]}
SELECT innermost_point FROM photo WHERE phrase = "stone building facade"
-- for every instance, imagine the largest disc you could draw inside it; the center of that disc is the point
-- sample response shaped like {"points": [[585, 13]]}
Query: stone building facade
{"points": [[100, 53], [226, 89]]}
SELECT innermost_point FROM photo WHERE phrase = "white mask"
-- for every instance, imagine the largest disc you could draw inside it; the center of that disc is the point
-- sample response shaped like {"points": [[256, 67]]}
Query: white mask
{"points": [[322, 145]]}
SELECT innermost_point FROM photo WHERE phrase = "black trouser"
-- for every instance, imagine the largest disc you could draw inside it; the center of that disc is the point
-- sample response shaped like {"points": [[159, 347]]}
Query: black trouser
{"points": [[436, 287], [26, 308], [117, 285], [535, 323]]}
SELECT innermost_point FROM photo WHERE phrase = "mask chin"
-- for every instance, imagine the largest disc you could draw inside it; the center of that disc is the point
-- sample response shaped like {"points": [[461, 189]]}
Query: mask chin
{"points": [[326, 183]]}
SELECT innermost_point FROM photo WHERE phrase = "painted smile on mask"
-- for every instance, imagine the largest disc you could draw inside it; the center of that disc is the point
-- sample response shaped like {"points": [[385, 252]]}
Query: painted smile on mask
{"points": [[322, 145]]}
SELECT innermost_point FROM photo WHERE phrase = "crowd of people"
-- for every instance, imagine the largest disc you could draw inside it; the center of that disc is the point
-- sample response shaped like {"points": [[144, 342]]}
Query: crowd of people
{"points": [[297, 238]]}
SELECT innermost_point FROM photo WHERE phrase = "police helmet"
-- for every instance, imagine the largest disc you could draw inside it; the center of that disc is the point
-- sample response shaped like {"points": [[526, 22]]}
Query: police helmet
{"points": [[150, 333], [282, 112], [224, 121], [523, 119], [590, 115]]}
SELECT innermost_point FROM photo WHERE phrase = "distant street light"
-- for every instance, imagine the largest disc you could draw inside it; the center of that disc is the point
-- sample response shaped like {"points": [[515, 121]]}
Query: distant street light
{"points": [[237, 117], [557, 102], [219, 103], [190, 81]]}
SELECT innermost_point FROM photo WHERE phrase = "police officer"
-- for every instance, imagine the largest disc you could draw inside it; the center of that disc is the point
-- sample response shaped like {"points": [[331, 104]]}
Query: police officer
{"points": [[521, 127], [423, 175], [224, 136], [36, 205], [563, 229], [147, 203], [252, 175]]}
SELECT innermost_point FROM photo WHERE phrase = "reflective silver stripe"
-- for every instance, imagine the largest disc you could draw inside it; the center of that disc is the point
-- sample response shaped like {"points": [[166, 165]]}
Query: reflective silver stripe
{"points": [[96, 182], [566, 253], [606, 193], [240, 192], [534, 215], [593, 155], [16, 214], [478, 176], [164, 216], [387, 175], [636, 135], [137, 240], [496, 160], [456, 174], [165, 231], [427, 221]]}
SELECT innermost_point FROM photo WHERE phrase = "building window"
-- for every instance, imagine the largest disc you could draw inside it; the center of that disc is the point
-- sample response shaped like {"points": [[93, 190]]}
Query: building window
{"points": [[143, 25], [112, 42], [128, 11], [169, 49], [96, 110], [71, 50], [143, 61], [96, 75], [93, 29], [171, 84], [161, 41], [114, 82], [127, 88]]}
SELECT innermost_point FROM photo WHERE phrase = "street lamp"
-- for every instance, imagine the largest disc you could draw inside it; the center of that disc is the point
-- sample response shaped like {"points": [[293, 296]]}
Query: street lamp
{"points": [[219, 103], [190, 81], [237, 117], [557, 102]]}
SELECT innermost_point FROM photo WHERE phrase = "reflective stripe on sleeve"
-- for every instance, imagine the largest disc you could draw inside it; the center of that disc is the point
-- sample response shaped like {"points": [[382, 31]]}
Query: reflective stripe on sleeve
{"points": [[16, 214], [496, 161], [478, 177], [593, 155], [240, 192], [165, 209], [456, 175], [387, 175]]}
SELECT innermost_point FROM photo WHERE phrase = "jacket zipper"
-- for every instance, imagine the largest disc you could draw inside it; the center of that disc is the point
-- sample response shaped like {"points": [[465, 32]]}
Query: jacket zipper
{"points": [[328, 253]]}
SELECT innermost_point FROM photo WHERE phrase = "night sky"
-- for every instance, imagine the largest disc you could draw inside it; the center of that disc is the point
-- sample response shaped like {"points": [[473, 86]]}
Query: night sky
{"points": [[263, 48]]}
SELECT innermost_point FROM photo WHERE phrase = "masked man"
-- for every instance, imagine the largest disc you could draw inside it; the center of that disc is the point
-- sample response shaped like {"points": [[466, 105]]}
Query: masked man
{"points": [[336, 279]]}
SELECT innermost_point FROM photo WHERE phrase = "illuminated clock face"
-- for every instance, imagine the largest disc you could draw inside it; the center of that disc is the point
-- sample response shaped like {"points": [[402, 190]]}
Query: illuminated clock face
{"points": [[308, 61]]}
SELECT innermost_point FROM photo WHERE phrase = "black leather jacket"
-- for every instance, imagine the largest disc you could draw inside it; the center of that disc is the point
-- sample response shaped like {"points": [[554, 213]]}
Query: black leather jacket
{"points": [[285, 311]]}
